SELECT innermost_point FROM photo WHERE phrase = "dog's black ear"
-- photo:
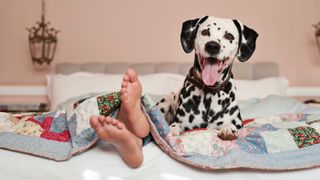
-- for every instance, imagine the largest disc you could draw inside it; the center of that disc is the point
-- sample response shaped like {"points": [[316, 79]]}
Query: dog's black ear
{"points": [[247, 41], [188, 34]]}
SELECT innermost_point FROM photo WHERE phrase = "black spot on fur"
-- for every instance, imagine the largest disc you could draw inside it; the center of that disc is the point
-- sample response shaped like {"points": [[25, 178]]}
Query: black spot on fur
{"points": [[219, 101], [227, 87], [219, 40], [230, 42], [225, 103], [186, 129], [232, 96], [238, 126], [192, 104], [207, 102], [225, 72], [233, 109], [221, 115], [227, 100], [196, 99], [203, 125], [186, 91], [180, 112], [195, 127], [177, 120], [162, 110], [234, 122], [214, 23], [162, 100], [215, 117], [219, 123], [219, 28], [211, 112], [191, 118], [204, 116]]}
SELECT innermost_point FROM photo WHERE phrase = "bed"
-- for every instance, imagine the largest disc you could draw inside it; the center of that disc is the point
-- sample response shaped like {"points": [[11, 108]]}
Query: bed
{"points": [[102, 161]]}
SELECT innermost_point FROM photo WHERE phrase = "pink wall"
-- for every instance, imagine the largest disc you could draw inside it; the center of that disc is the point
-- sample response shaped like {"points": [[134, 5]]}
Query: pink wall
{"points": [[148, 31]]}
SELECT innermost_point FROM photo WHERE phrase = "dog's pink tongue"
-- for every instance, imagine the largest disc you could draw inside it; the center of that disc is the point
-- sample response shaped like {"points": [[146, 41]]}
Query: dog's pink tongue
{"points": [[210, 74]]}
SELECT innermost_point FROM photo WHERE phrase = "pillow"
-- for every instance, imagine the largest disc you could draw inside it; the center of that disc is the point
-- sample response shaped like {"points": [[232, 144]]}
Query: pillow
{"points": [[62, 88], [261, 88]]}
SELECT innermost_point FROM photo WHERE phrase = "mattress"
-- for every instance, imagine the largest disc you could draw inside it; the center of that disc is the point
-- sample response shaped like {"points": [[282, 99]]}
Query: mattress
{"points": [[102, 161]]}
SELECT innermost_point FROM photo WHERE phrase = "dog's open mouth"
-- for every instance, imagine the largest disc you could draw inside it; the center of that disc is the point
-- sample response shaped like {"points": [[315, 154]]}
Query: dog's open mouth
{"points": [[211, 68]]}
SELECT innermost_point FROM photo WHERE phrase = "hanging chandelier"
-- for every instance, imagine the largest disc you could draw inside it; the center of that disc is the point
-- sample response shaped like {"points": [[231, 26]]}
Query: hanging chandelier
{"points": [[42, 40]]}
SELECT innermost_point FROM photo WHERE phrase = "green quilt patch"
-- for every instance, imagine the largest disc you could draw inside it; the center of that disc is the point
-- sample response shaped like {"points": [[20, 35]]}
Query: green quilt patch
{"points": [[108, 102], [305, 136]]}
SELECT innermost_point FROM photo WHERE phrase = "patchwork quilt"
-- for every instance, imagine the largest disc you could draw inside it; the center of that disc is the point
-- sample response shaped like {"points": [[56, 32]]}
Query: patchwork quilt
{"points": [[281, 142]]}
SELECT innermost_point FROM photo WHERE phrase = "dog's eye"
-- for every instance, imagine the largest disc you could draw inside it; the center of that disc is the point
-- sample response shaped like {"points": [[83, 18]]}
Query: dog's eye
{"points": [[229, 36], [205, 32]]}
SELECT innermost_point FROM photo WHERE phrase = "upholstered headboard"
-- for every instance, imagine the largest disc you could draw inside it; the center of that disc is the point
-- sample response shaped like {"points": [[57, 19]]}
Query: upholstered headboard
{"points": [[248, 71]]}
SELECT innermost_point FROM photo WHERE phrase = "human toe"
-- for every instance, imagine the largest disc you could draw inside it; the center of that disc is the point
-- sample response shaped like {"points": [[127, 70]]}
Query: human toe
{"points": [[95, 123], [132, 75]]}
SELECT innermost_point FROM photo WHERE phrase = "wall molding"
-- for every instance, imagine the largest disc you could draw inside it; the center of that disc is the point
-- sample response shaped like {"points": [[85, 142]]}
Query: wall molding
{"points": [[42, 91], [23, 91], [303, 91]]}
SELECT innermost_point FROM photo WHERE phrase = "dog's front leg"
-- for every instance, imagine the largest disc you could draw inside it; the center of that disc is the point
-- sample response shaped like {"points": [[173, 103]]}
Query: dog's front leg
{"points": [[228, 131]]}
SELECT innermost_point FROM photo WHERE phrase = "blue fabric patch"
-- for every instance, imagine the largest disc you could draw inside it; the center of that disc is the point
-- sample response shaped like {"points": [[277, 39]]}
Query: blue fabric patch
{"points": [[59, 123], [158, 121], [72, 125], [42, 117], [266, 127], [253, 143], [85, 138], [147, 139]]}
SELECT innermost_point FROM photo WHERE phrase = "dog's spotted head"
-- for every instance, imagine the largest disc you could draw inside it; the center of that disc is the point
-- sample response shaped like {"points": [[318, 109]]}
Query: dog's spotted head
{"points": [[217, 42]]}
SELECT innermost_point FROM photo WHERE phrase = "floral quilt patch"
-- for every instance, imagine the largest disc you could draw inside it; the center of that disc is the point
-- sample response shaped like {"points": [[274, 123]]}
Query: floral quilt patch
{"points": [[305, 136], [108, 102]]}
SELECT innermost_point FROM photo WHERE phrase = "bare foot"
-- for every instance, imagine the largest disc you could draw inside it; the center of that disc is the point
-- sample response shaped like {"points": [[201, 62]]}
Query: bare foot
{"points": [[130, 110], [116, 133]]}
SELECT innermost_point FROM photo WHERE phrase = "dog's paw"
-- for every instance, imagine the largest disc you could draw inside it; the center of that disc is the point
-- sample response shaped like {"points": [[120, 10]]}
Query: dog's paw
{"points": [[175, 129], [227, 134]]}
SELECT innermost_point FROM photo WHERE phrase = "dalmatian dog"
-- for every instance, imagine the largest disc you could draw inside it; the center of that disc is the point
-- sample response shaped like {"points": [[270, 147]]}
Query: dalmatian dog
{"points": [[208, 96]]}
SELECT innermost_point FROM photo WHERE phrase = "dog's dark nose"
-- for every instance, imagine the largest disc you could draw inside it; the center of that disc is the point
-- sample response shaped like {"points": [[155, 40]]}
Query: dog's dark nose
{"points": [[212, 48]]}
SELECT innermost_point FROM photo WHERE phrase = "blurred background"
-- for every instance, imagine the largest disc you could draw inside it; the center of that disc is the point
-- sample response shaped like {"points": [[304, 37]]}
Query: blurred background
{"points": [[149, 31]]}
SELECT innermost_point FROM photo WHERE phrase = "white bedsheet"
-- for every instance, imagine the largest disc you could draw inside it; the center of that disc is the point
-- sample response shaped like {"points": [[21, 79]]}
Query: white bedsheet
{"points": [[102, 162]]}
